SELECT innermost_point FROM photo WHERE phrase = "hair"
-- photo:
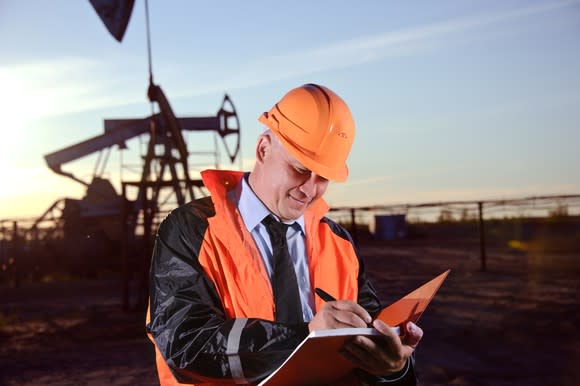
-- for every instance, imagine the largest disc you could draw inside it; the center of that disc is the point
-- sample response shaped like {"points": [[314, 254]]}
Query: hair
{"points": [[273, 138]]}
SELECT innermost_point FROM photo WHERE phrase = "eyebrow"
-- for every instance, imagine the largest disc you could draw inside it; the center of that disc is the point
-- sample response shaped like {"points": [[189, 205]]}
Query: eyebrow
{"points": [[295, 163], [300, 168]]}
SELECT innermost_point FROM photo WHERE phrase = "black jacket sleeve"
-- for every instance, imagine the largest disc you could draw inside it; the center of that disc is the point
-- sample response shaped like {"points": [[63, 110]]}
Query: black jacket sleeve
{"points": [[187, 320]]}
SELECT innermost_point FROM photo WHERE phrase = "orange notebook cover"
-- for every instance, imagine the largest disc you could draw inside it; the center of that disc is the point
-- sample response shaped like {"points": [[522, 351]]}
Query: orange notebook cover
{"points": [[411, 306], [317, 359]]}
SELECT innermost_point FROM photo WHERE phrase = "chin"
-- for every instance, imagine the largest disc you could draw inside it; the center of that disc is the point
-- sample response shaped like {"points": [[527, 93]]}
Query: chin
{"points": [[293, 209], [290, 214], [294, 213]]}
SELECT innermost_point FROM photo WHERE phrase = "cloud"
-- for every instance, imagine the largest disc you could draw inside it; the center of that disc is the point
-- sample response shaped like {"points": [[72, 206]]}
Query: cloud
{"points": [[60, 86], [357, 51], [402, 42], [70, 85]]}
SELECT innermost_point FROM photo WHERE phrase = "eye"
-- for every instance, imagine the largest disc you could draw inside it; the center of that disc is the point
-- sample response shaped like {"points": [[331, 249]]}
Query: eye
{"points": [[301, 171]]}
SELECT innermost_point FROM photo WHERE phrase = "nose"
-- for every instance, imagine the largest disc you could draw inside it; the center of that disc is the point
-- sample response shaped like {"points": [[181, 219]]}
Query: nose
{"points": [[314, 185]]}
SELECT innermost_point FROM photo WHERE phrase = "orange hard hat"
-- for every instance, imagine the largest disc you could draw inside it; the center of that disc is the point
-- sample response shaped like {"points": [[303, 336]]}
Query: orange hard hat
{"points": [[316, 127]]}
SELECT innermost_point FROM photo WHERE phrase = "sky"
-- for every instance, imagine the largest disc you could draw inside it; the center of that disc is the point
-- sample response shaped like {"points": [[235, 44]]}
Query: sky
{"points": [[452, 99]]}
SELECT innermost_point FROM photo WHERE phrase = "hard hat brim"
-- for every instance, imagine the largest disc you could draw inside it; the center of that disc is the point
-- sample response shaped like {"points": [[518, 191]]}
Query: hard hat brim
{"points": [[338, 174]]}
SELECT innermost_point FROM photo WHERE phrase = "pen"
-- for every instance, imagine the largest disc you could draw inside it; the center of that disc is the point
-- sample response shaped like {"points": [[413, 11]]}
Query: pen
{"points": [[329, 298], [324, 295]]}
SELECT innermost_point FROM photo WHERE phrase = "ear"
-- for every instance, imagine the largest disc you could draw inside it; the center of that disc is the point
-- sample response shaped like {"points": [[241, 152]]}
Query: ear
{"points": [[263, 148]]}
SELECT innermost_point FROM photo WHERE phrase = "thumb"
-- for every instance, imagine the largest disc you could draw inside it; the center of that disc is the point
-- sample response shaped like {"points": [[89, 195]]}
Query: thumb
{"points": [[413, 334]]}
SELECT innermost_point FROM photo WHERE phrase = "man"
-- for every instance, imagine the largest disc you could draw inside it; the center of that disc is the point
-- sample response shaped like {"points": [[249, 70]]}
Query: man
{"points": [[233, 274]]}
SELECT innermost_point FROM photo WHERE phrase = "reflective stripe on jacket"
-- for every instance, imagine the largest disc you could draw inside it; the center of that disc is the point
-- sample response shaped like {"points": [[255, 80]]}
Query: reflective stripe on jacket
{"points": [[211, 304]]}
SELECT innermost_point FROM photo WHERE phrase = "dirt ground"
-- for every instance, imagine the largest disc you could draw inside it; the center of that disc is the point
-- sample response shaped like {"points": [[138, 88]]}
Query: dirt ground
{"points": [[515, 324]]}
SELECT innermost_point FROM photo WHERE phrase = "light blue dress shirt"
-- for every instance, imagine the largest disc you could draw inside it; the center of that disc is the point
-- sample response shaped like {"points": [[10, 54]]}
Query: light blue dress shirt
{"points": [[253, 211]]}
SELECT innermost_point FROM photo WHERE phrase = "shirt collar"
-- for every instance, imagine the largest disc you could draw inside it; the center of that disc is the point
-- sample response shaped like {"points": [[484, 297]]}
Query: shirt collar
{"points": [[253, 210]]}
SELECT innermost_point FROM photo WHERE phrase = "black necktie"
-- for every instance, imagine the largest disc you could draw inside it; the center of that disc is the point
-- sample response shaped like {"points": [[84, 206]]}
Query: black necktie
{"points": [[284, 283]]}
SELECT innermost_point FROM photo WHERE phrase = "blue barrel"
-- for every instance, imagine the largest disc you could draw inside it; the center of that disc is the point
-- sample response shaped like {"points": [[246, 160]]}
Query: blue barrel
{"points": [[390, 227]]}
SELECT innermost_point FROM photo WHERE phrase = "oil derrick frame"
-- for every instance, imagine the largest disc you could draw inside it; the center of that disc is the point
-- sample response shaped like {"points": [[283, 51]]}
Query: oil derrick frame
{"points": [[165, 167], [165, 132]]}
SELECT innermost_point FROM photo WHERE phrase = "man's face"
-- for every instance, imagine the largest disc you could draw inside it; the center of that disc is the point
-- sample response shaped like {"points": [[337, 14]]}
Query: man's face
{"points": [[291, 188]]}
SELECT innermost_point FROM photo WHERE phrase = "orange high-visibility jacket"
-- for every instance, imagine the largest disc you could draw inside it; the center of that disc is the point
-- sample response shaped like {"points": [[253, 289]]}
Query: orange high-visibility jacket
{"points": [[211, 312]]}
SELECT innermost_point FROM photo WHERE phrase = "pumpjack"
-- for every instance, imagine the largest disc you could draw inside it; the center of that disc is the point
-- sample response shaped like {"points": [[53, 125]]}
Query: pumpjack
{"points": [[166, 152], [116, 228], [108, 227]]}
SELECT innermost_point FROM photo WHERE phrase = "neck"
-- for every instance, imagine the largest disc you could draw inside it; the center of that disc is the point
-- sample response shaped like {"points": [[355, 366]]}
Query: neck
{"points": [[257, 188]]}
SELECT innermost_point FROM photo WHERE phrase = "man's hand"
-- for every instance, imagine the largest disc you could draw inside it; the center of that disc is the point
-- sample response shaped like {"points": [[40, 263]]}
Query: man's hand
{"points": [[340, 314], [386, 355]]}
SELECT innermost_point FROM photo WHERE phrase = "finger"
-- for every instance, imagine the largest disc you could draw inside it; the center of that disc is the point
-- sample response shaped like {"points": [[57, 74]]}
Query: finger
{"points": [[350, 306], [350, 313], [350, 355], [392, 342], [372, 358], [367, 348], [413, 334], [386, 330], [339, 314], [358, 353], [358, 362]]}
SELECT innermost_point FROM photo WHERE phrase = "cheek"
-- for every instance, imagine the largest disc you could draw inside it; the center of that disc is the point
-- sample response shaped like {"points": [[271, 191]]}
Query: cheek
{"points": [[278, 183], [282, 181], [321, 189]]}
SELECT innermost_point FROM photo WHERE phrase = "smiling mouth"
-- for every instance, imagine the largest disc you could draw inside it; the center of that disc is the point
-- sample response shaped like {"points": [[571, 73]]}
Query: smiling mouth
{"points": [[301, 202]]}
